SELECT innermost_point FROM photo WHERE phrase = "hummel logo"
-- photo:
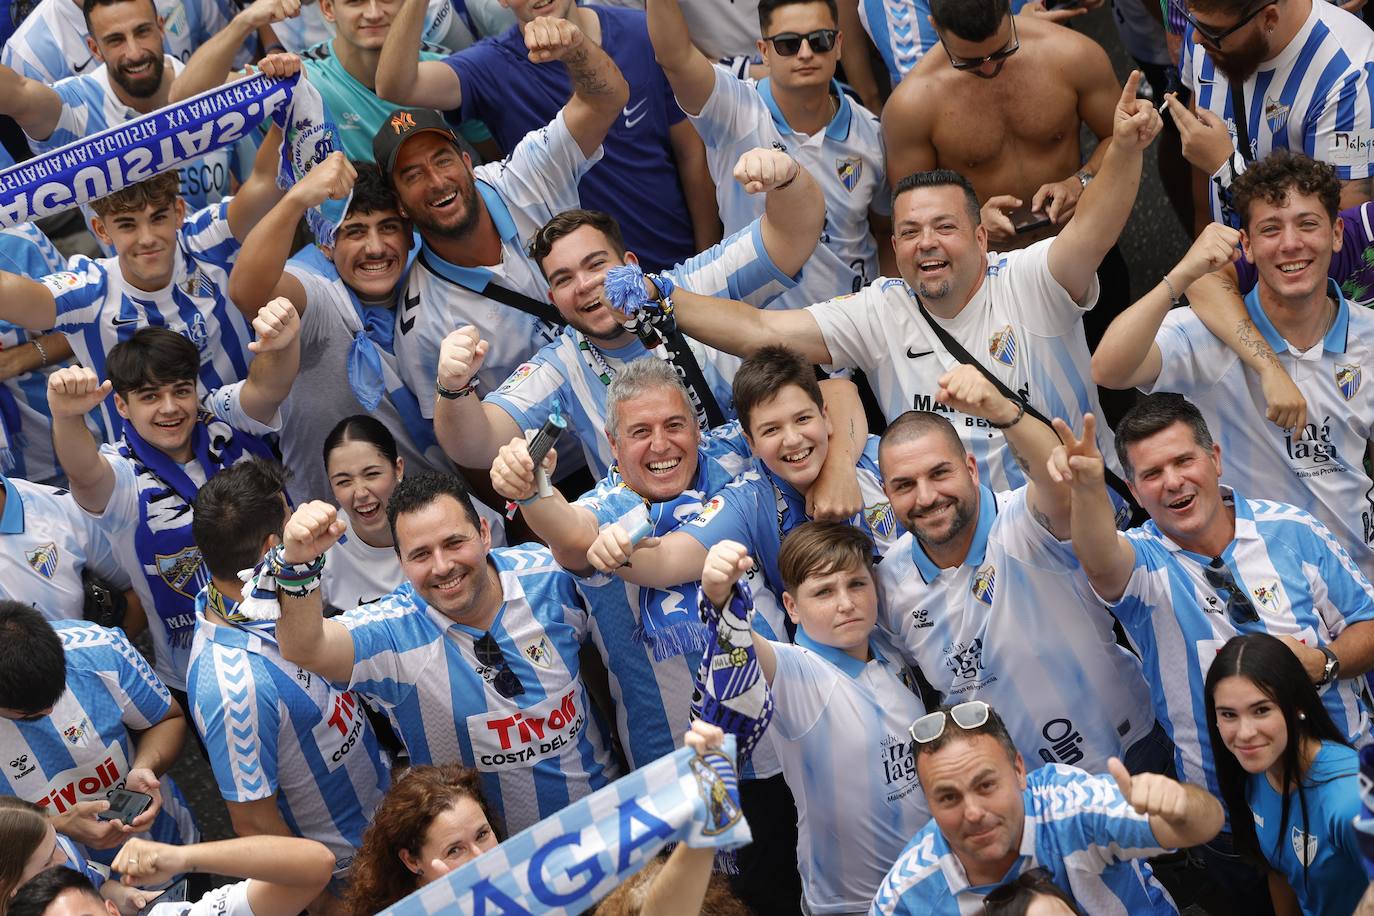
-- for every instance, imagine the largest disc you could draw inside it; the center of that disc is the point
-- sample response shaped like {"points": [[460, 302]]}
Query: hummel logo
{"points": [[630, 119], [407, 318], [912, 354]]}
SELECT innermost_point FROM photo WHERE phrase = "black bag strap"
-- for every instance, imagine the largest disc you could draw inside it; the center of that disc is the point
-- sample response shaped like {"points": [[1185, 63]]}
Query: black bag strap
{"points": [[681, 356], [1240, 114], [498, 293], [957, 350]]}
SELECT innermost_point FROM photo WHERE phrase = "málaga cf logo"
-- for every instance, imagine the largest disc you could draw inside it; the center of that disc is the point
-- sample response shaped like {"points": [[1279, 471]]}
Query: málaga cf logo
{"points": [[1002, 346], [43, 559], [718, 785], [1348, 380]]}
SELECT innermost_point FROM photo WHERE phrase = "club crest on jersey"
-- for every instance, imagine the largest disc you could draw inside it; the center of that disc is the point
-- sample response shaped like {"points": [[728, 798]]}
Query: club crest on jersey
{"points": [[539, 653], [881, 519], [43, 559], [1002, 346], [1269, 595], [1276, 114], [1348, 380], [984, 584], [719, 788], [182, 571], [76, 732], [1304, 845], [849, 169]]}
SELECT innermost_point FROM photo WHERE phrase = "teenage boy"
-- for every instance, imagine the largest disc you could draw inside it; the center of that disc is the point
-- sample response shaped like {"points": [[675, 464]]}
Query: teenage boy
{"points": [[142, 489], [840, 715]]}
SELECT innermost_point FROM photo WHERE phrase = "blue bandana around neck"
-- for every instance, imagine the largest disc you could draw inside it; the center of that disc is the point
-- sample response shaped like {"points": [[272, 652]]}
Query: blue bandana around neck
{"points": [[171, 561], [367, 375]]}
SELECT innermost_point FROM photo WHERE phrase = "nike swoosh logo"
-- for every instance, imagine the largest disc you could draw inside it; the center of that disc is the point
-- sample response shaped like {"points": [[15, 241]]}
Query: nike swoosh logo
{"points": [[630, 119], [120, 322], [913, 355]]}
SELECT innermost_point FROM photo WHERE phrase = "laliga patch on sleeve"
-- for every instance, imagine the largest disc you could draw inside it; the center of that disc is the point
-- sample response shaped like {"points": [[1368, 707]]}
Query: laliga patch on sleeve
{"points": [[60, 283], [1352, 147]]}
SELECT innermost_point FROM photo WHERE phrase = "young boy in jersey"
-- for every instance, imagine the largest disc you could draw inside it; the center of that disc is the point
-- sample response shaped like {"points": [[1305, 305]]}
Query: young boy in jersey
{"points": [[141, 490], [841, 710], [291, 753]]}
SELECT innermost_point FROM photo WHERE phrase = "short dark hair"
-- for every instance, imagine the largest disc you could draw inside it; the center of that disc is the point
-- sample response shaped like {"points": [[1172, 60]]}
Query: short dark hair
{"points": [[994, 728], [159, 191], [151, 357], [89, 6], [971, 20], [768, 7], [417, 491], [762, 376], [917, 423], [1236, 8], [568, 222], [372, 193], [1274, 177], [942, 178], [362, 428], [1155, 413], [33, 666], [1014, 897], [236, 510], [38, 893], [821, 548]]}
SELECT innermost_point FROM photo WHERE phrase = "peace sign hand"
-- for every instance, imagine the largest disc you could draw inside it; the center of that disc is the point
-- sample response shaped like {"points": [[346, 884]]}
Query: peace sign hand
{"points": [[1077, 462]]}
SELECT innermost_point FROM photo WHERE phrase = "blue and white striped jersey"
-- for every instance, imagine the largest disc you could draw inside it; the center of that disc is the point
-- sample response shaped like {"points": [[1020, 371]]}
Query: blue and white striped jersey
{"points": [[1301, 583], [1314, 97], [76, 860], [840, 726], [46, 540], [97, 307], [273, 728], [1020, 324], [50, 44], [737, 268], [1321, 470], [758, 509], [89, 105], [83, 748], [846, 159], [1078, 826], [1017, 625], [653, 696], [26, 251], [537, 752], [523, 192], [902, 32]]}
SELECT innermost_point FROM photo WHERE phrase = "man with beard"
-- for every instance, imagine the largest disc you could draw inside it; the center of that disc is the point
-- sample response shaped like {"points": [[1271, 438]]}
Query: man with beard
{"points": [[1300, 71], [574, 251], [472, 268]]}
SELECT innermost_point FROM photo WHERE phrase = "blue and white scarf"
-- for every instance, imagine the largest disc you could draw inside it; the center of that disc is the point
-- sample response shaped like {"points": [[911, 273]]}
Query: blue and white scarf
{"points": [[125, 154], [730, 689], [567, 862]]}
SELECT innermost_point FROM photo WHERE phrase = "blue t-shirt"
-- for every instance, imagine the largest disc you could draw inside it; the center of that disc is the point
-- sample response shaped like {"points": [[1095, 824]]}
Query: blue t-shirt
{"points": [[1333, 879], [637, 180]]}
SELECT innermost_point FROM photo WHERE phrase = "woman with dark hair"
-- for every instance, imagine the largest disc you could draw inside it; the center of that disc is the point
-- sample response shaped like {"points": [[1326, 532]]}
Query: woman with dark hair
{"points": [[1287, 776], [1031, 893], [29, 845], [432, 820]]}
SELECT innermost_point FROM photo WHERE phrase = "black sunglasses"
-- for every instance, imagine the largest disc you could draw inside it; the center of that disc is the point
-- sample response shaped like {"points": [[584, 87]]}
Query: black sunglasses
{"points": [[1238, 604], [489, 655], [1213, 36], [973, 63], [789, 43]]}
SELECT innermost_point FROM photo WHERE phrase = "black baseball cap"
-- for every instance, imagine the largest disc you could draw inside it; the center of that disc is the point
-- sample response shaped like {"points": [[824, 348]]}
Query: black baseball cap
{"points": [[400, 126]]}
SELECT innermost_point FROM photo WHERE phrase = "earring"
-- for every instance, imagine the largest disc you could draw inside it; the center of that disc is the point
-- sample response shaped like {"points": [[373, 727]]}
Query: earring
{"points": [[1302, 717]]}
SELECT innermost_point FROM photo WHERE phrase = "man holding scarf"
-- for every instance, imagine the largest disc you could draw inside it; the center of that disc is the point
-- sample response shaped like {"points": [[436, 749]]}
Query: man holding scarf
{"points": [[141, 490]]}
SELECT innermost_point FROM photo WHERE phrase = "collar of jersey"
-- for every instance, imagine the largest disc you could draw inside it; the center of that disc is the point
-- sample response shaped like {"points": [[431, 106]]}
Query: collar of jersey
{"points": [[977, 549], [1245, 528], [1335, 339], [476, 278], [12, 521], [838, 657], [837, 129]]}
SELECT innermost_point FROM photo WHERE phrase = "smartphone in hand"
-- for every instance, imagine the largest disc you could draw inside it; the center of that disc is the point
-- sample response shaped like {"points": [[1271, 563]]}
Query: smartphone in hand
{"points": [[174, 894], [125, 805], [1024, 219]]}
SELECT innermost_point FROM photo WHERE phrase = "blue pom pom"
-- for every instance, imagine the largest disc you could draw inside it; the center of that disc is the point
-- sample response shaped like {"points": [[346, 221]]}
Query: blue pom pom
{"points": [[624, 288]]}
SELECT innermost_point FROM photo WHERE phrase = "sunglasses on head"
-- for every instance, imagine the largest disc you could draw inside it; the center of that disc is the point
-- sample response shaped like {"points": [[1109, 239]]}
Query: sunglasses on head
{"points": [[1238, 604], [1215, 36], [489, 655], [970, 715], [789, 43], [973, 63]]}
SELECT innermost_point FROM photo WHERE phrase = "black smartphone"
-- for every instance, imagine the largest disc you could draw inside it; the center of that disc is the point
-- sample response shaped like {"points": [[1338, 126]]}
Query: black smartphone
{"points": [[1024, 219], [174, 894], [125, 805]]}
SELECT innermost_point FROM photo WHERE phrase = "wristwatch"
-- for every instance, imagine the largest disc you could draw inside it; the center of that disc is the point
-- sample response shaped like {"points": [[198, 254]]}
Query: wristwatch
{"points": [[1332, 670], [1083, 176]]}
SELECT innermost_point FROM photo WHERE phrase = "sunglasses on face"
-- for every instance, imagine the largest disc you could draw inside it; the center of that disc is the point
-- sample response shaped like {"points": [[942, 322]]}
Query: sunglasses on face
{"points": [[970, 715], [789, 43], [973, 63], [1215, 36], [1238, 604], [489, 655]]}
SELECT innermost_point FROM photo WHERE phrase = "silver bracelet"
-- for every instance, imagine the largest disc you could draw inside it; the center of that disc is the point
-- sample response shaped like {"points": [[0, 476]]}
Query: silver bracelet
{"points": [[42, 354], [1173, 295]]}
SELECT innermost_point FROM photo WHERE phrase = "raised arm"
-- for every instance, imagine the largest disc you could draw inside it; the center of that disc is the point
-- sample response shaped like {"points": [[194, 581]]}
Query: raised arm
{"points": [[1105, 554], [469, 431], [276, 360], [1106, 204], [726, 564], [33, 105], [26, 303], [697, 187], [259, 193], [405, 79], [599, 89], [568, 530], [34, 354], [303, 635], [793, 205], [835, 495], [1180, 815], [74, 392], [1127, 356], [856, 56], [739, 328], [689, 72], [212, 62]]}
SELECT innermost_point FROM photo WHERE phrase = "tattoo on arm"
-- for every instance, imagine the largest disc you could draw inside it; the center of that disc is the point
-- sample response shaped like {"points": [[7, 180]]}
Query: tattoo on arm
{"points": [[1021, 461], [587, 78], [1250, 339]]}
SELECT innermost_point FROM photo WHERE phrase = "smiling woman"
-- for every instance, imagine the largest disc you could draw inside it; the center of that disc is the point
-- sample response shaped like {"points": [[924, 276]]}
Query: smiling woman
{"points": [[363, 464]]}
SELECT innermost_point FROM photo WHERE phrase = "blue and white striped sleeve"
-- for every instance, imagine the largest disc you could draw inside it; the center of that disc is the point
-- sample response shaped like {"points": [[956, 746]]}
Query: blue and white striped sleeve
{"points": [[79, 292], [1349, 595], [1341, 129], [528, 392], [235, 707], [207, 235], [739, 267], [148, 699], [1099, 821], [379, 631]]}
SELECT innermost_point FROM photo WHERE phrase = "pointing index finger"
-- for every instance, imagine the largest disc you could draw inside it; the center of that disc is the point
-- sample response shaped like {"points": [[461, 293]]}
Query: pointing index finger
{"points": [[1128, 92]]}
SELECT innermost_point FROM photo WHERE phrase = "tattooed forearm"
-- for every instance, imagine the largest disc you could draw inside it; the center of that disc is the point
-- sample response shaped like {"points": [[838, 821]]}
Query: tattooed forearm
{"points": [[1249, 337], [1021, 461], [588, 72]]}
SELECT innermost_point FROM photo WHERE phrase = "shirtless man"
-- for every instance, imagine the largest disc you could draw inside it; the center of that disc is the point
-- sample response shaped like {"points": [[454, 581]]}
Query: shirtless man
{"points": [[1003, 67]]}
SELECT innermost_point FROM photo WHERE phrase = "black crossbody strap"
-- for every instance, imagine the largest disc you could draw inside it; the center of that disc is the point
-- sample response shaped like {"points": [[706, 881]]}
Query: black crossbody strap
{"points": [[498, 293], [685, 361], [1240, 113]]}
